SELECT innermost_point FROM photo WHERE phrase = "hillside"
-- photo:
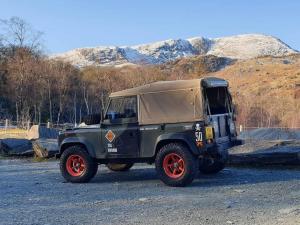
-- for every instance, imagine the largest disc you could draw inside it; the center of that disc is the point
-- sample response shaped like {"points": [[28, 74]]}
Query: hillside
{"points": [[266, 89], [245, 46]]}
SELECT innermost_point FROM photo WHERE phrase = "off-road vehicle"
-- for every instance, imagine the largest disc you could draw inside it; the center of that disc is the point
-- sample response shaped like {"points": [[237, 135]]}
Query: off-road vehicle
{"points": [[182, 126]]}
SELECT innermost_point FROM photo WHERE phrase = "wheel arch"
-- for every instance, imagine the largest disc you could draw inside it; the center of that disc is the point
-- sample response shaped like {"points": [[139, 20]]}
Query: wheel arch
{"points": [[176, 138], [76, 142]]}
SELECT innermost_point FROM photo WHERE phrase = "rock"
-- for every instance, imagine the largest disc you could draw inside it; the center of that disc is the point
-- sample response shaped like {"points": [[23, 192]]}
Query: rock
{"points": [[16, 147], [266, 153], [229, 204], [37, 132], [45, 148], [276, 158], [143, 199], [239, 190], [289, 210], [4, 148]]}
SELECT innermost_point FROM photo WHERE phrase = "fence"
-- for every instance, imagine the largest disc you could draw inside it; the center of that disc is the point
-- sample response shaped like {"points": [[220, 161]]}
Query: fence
{"points": [[14, 128]]}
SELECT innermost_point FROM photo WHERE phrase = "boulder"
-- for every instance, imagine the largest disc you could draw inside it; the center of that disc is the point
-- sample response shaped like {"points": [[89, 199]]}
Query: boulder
{"points": [[266, 153], [45, 148], [37, 131], [16, 147]]}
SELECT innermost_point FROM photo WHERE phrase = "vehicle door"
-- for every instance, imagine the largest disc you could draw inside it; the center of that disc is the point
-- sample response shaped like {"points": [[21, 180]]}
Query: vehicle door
{"points": [[120, 131], [219, 111]]}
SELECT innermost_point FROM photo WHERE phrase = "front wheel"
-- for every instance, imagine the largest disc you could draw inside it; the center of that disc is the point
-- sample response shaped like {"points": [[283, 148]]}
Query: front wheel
{"points": [[119, 167], [211, 165], [175, 165], [77, 166]]}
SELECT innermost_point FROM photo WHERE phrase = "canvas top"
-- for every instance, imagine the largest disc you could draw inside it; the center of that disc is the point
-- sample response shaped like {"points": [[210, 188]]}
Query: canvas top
{"points": [[162, 86], [171, 101]]}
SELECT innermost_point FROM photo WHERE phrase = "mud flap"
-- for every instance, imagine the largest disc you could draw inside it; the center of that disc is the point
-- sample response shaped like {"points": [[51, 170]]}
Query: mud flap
{"points": [[220, 151], [237, 142]]}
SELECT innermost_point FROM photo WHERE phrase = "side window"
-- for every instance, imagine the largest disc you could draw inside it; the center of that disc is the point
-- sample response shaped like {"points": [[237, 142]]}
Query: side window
{"points": [[122, 108]]}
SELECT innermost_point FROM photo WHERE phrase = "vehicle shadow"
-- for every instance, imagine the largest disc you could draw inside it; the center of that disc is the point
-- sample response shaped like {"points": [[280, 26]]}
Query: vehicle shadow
{"points": [[135, 174], [227, 177]]}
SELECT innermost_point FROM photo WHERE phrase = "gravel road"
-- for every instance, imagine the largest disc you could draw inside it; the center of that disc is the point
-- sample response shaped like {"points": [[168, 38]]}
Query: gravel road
{"points": [[35, 193]]}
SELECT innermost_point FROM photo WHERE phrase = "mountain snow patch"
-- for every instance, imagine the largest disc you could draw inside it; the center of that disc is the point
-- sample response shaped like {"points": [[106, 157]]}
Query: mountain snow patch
{"points": [[235, 47]]}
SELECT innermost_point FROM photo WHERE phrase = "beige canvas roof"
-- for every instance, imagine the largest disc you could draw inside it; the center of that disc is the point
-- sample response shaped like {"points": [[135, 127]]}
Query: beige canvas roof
{"points": [[158, 87], [170, 101]]}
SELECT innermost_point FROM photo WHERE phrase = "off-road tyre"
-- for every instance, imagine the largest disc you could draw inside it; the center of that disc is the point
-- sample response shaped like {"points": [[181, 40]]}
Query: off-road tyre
{"points": [[74, 173], [119, 167], [211, 166], [185, 170]]}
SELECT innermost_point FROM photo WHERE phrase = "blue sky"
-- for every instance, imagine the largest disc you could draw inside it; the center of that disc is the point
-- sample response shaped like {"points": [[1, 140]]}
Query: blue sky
{"points": [[69, 24]]}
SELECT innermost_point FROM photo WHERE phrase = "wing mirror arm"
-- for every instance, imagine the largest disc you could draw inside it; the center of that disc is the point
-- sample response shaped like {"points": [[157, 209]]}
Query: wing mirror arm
{"points": [[234, 112], [101, 115]]}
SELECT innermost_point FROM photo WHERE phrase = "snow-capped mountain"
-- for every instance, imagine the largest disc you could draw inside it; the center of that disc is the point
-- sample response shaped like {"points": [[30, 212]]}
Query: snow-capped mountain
{"points": [[235, 47]]}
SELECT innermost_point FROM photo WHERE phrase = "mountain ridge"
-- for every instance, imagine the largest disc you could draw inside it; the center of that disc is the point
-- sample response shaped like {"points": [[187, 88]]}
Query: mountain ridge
{"points": [[245, 46]]}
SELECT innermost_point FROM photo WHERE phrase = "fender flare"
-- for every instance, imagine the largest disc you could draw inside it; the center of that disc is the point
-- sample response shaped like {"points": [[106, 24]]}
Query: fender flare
{"points": [[78, 140], [173, 137]]}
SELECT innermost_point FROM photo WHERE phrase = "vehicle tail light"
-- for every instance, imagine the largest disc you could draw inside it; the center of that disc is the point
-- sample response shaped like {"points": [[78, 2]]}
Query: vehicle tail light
{"points": [[209, 134]]}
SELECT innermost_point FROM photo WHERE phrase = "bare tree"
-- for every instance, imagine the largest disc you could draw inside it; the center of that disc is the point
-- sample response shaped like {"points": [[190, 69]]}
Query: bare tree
{"points": [[18, 33]]}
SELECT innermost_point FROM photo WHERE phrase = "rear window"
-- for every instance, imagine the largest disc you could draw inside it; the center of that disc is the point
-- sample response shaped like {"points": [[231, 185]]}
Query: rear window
{"points": [[217, 100]]}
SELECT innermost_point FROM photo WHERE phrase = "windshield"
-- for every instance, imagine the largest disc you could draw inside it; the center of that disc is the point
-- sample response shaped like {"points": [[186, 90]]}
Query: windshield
{"points": [[122, 108]]}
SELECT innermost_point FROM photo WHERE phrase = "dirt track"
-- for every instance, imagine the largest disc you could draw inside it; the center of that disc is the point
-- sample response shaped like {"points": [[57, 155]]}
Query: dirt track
{"points": [[35, 193]]}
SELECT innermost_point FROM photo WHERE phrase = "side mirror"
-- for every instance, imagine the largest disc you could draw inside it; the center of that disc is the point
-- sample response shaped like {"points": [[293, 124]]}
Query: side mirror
{"points": [[101, 115], [91, 119]]}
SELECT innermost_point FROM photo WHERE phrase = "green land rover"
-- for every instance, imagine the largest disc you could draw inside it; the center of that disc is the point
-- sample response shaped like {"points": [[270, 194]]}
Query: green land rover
{"points": [[182, 126]]}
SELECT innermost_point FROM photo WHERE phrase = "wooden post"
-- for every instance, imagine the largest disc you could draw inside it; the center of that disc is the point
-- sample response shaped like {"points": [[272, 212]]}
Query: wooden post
{"points": [[6, 125], [28, 124]]}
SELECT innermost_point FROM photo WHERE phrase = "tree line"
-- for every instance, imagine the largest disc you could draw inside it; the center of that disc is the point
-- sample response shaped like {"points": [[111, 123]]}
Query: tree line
{"points": [[38, 89]]}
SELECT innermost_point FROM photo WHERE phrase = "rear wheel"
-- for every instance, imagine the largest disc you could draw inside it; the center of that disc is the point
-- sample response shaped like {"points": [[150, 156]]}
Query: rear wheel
{"points": [[175, 165], [119, 167], [77, 166], [211, 165]]}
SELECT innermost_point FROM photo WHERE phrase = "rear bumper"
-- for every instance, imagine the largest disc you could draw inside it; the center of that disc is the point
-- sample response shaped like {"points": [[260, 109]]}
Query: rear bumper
{"points": [[226, 142], [220, 148]]}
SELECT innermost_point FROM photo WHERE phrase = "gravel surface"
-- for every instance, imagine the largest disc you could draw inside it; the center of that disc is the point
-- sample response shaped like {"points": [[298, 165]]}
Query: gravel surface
{"points": [[256, 152], [271, 134], [35, 193]]}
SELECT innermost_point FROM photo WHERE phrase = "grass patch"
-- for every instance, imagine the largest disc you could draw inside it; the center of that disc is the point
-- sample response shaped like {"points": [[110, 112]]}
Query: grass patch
{"points": [[13, 133], [38, 159]]}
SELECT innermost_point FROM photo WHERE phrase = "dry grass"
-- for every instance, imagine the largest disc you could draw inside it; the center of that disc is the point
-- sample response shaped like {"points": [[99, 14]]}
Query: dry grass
{"points": [[13, 133]]}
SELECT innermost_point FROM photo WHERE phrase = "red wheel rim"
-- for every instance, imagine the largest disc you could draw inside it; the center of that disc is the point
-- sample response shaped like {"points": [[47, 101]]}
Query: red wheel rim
{"points": [[173, 165], [75, 165]]}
